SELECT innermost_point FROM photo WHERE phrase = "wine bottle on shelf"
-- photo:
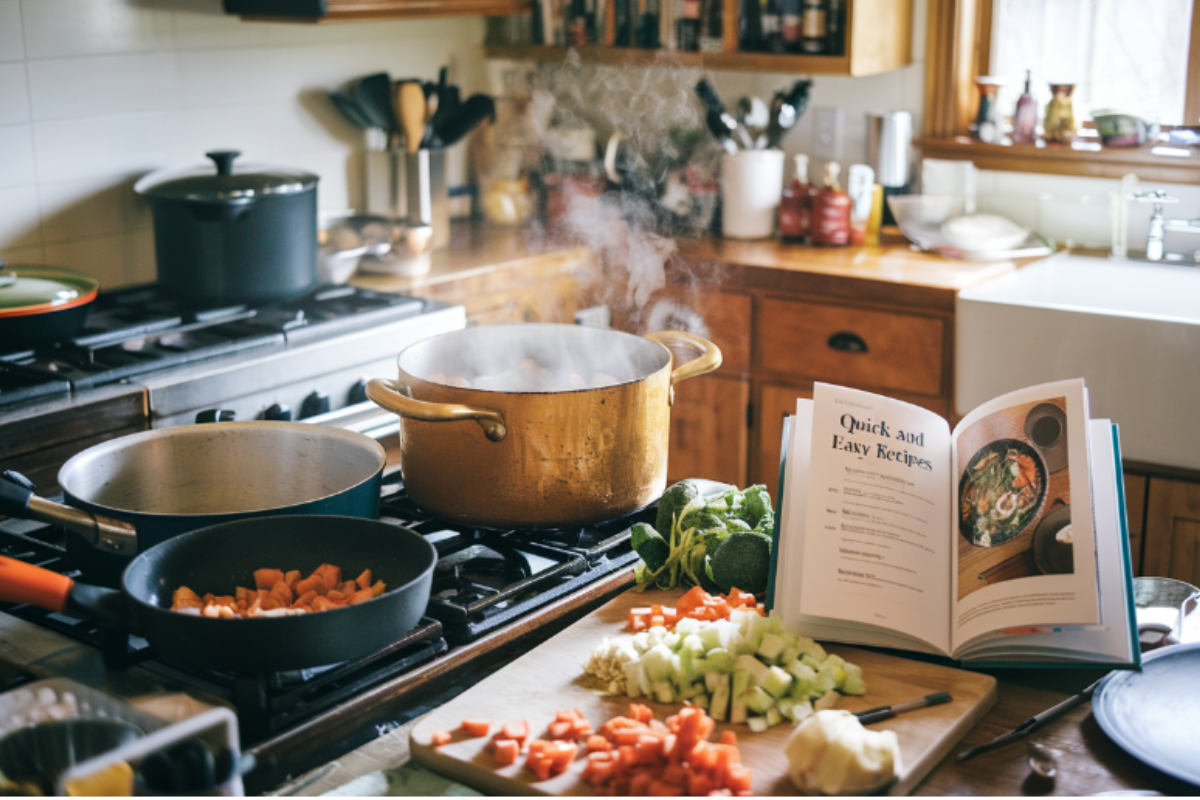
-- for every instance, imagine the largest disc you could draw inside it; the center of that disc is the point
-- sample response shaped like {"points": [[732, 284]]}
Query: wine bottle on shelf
{"points": [[790, 25], [750, 27], [687, 33], [1024, 118], [648, 25], [813, 27], [623, 22], [771, 26], [830, 219], [835, 27], [580, 30], [712, 26]]}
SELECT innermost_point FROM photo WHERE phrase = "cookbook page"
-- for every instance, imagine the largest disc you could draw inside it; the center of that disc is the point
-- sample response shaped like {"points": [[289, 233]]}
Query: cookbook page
{"points": [[875, 543], [1024, 546]]}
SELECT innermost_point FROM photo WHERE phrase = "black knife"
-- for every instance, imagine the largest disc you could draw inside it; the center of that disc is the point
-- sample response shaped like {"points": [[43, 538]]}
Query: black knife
{"points": [[1032, 724], [887, 712]]}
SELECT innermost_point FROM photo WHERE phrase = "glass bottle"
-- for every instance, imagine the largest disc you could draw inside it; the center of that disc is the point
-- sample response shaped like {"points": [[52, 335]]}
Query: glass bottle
{"points": [[830, 218], [648, 25], [1024, 118], [1059, 123], [750, 27], [835, 28], [772, 26], [712, 28], [795, 206], [790, 27], [813, 27], [687, 27]]}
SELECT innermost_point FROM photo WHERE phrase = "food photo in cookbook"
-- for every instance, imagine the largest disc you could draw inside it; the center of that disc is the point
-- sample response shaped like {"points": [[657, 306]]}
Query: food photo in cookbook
{"points": [[1013, 512]]}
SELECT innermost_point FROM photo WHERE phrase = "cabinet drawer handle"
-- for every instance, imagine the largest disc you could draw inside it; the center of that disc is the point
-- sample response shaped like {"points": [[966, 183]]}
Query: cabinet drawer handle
{"points": [[847, 342]]}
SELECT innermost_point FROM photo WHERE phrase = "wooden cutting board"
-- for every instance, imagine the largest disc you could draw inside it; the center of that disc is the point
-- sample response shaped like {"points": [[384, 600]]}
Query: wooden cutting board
{"points": [[550, 677]]}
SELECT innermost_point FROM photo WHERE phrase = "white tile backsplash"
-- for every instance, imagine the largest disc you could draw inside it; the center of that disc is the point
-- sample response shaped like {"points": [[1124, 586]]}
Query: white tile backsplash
{"points": [[20, 220], [64, 28], [16, 157], [14, 94], [96, 93], [12, 43]]}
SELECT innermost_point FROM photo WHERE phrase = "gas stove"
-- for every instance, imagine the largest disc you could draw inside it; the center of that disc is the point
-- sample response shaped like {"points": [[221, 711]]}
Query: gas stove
{"points": [[495, 594]]}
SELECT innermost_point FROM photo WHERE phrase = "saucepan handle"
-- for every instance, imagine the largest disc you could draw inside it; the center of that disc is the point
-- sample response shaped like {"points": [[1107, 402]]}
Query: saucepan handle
{"points": [[708, 360], [25, 583], [395, 397], [112, 535]]}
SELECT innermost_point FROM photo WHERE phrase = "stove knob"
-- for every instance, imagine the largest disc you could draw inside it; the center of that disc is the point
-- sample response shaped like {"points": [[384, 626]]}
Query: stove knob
{"points": [[278, 412], [316, 403], [358, 392]]}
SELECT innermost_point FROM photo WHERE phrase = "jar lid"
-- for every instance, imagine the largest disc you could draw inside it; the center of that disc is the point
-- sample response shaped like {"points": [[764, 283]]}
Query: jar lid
{"points": [[33, 289], [226, 182]]}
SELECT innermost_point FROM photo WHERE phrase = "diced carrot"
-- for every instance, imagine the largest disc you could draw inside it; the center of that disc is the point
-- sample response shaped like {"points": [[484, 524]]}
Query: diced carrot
{"points": [[640, 712], [639, 784], [291, 577], [336, 596], [364, 579], [280, 595], [306, 598], [439, 738], [323, 603], [506, 752], [729, 736], [330, 574], [361, 596], [539, 765], [560, 729], [476, 727], [266, 578], [561, 757], [675, 774], [517, 729], [183, 597], [378, 588], [598, 744], [699, 784], [581, 729], [738, 779], [660, 788], [312, 583]]}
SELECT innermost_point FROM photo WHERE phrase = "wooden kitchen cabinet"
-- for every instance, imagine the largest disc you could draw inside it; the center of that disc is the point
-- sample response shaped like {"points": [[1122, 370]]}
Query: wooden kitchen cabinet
{"points": [[878, 39], [1171, 539], [709, 437], [324, 11]]}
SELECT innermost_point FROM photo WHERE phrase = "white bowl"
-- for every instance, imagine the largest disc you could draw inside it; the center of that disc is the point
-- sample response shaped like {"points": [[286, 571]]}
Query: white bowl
{"points": [[983, 233], [924, 209]]}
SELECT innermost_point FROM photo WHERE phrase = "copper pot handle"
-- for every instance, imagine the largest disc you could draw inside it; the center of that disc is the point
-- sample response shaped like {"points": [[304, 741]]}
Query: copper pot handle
{"points": [[708, 360], [394, 396]]}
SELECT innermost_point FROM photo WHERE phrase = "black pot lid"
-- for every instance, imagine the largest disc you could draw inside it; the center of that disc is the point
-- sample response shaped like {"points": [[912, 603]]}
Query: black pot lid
{"points": [[26, 290], [225, 181]]}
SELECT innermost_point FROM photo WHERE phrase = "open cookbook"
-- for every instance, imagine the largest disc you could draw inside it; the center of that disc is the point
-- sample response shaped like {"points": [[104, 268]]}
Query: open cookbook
{"points": [[1000, 542]]}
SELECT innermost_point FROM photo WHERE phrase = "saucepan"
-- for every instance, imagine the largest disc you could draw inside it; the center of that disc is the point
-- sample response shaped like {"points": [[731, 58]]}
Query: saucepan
{"points": [[129, 494], [222, 557], [40, 305], [537, 425]]}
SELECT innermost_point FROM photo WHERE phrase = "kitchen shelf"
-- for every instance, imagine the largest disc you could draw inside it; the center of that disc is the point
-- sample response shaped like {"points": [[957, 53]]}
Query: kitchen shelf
{"points": [[1150, 163], [326, 11], [638, 57]]}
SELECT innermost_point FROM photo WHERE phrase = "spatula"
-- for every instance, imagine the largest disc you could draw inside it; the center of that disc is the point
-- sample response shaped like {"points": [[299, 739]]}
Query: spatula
{"points": [[411, 109]]}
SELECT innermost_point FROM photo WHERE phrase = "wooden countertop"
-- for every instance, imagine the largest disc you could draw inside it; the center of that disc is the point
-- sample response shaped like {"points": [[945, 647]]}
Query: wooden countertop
{"points": [[890, 272]]}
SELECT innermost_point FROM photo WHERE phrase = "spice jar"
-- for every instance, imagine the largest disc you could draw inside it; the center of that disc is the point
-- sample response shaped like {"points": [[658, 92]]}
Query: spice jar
{"points": [[831, 211], [795, 206], [1059, 122]]}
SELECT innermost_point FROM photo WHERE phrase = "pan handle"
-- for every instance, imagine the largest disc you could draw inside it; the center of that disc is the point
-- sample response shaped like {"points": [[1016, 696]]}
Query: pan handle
{"points": [[25, 583], [395, 397], [708, 360], [112, 535]]}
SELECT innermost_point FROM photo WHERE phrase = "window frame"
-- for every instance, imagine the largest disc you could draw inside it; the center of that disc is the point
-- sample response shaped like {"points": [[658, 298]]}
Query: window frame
{"points": [[958, 50]]}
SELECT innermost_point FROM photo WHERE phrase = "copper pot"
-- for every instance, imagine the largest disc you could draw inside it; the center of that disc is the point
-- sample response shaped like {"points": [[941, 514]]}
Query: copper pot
{"points": [[560, 425]]}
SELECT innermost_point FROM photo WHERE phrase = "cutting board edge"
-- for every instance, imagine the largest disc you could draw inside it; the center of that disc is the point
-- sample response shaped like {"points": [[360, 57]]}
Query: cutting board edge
{"points": [[934, 756]]}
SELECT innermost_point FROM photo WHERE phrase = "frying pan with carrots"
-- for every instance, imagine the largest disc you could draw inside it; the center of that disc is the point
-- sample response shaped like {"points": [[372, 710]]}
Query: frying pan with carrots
{"points": [[222, 557]]}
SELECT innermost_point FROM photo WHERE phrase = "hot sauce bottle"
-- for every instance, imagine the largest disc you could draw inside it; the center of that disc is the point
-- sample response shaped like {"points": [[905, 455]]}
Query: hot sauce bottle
{"points": [[831, 211], [796, 204]]}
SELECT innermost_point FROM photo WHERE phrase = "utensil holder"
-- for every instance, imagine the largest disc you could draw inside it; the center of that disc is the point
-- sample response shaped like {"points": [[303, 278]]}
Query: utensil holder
{"points": [[410, 187], [751, 188]]}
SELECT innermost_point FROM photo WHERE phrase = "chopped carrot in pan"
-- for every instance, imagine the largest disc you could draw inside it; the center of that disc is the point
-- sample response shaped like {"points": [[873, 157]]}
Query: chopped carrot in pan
{"points": [[279, 593]]}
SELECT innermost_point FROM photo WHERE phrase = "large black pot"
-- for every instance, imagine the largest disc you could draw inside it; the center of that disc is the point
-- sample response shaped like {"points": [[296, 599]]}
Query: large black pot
{"points": [[233, 236], [129, 494]]}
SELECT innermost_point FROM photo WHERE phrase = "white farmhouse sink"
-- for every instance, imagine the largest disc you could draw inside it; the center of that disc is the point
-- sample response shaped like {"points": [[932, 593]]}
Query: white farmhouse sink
{"points": [[1130, 329]]}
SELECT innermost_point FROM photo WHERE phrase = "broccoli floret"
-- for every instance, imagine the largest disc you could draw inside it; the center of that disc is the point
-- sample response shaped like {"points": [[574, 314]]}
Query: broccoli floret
{"points": [[650, 545], [704, 519], [757, 508], [672, 503], [743, 560]]}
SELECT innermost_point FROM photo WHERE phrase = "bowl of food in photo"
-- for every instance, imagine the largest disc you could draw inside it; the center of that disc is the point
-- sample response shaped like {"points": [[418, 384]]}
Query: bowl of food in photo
{"points": [[1002, 489]]}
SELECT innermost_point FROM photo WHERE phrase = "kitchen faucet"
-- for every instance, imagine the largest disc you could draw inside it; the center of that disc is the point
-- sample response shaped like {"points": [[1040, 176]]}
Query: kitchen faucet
{"points": [[1159, 226]]}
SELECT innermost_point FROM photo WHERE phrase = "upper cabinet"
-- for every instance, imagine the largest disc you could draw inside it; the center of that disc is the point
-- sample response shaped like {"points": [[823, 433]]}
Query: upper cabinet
{"points": [[877, 35], [322, 11]]}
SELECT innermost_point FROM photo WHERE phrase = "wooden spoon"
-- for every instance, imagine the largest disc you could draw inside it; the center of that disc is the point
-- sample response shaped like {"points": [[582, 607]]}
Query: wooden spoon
{"points": [[411, 110]]}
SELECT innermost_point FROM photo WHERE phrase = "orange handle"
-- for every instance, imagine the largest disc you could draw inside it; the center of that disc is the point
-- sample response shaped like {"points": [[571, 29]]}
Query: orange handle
{"points": [[25, 583]]}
